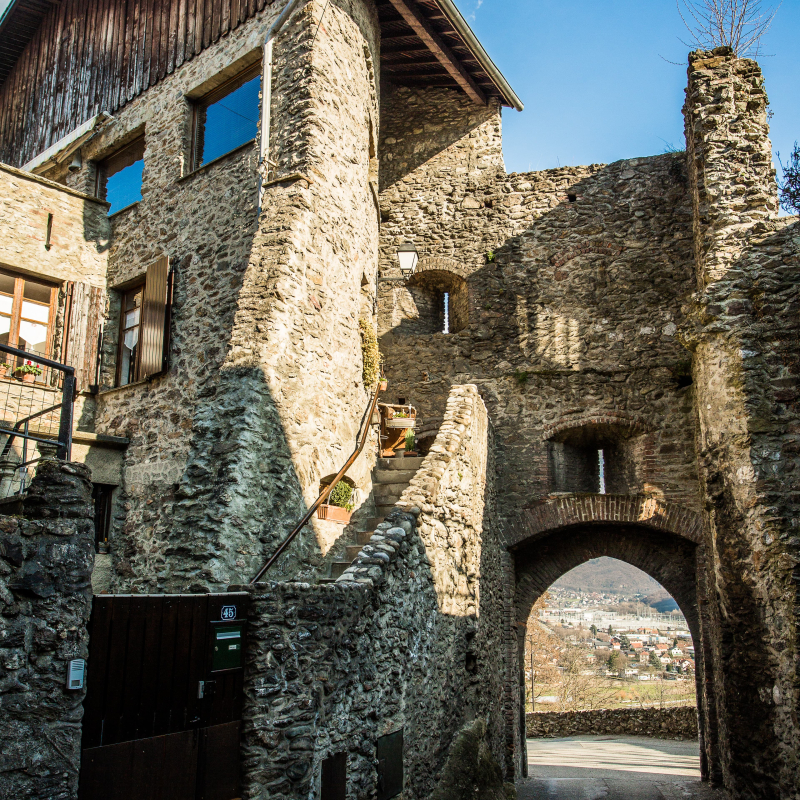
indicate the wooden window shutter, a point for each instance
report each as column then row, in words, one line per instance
column 154, row 333
column 83, row 327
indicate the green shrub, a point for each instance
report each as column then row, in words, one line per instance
column 340, row 496
column 371, row 354
column 411, row 440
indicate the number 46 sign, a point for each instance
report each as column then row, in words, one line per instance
column 228, row 613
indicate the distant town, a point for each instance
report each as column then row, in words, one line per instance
column 591, row 649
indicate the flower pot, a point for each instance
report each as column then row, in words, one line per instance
column 403, row 422
column 3, row 372
column 28, row 377
column 383, row 385
column 334, row 513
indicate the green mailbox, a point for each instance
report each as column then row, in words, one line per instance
column 227, row 647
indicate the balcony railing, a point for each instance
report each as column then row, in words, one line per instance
column 35, row 415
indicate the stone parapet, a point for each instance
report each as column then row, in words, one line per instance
column 45, row 600
column 660, row 723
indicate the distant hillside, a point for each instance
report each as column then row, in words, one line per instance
column 609, row 575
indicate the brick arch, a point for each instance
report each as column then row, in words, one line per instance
column 620, row 419
column 567, row 511
column 442, row 264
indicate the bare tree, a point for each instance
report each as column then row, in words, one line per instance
column 738, row 24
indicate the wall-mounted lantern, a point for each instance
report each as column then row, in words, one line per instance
column 408, row 257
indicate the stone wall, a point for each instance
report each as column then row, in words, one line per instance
column 45, row 601
column 264, row 394
column 575, row 279
column 743, row 327
column 659, row 723
column 403, row 639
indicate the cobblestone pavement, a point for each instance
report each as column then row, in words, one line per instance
column 614, row 768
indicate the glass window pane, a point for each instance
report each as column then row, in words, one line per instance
column 36, row 291
column 5, row 327
column 132, row 318
column 35, row 311
column 125, row 187
column 5, row 304
column 33, row 337
column 6, row 284
column 230, row 121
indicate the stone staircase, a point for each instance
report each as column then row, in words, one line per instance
column 390, row 478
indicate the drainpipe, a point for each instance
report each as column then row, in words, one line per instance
column 264, row 162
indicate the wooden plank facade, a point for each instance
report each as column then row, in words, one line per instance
column 89, row 56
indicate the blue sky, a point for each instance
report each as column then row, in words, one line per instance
column 596, row 82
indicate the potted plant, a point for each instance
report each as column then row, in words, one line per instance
column 4, row 368
column 28, row 372
column 404, row 417
column 384, row 384
column 411, row 443
column 339, row 507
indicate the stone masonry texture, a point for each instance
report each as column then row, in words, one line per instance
column 403, row 640
column 659, row 723
column 45, row 599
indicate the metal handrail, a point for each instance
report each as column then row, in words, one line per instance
column 327, row 490
column 24, row 421
column 68, row 388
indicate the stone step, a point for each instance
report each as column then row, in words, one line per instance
column 383, row 491
column 363, row 537
column 393, row 475
column 385, row 510
column 338, row 567
column 352, row 550
column 401, row 463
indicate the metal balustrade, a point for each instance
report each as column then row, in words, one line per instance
column 35, row 415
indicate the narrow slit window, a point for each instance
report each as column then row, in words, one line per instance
column 446, row 312
column 601, row 463
column 227, row 117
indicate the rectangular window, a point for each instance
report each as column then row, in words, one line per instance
column 390, row 765
column 119, row 177
column 131, row 320
column 27, row 312
column 227, row 117
column 144, row 326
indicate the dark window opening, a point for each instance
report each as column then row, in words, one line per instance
column 390, row 765
column 130, row 329
column 334, row 778
column 401, row 401
column 119, row 177
column 684, row 381
column 572, row 197
column 102, row 494
column 437, row 302
column 596, row 459
column 144, row 325
column 227, row 117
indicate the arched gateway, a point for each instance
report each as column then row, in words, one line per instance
column 660, row 538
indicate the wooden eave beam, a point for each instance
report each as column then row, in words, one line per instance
column 443, row 53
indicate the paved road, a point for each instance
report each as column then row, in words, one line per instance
column 614, row 768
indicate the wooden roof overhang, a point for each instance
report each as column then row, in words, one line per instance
column 424, row 43
column 428, row 43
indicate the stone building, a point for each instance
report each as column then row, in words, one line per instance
column 603, row 361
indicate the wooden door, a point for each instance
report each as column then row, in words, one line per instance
column 164, row 697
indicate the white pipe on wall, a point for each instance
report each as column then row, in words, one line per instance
column 266, row 93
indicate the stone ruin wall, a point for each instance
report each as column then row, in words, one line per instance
column 409, row 637
column 46, row 557
column 574, row 322
column 658, row 723
column 264, row 394
column 743, row 328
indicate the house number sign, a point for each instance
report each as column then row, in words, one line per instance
column 228, row 613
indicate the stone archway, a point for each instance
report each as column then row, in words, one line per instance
column 662, row 539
